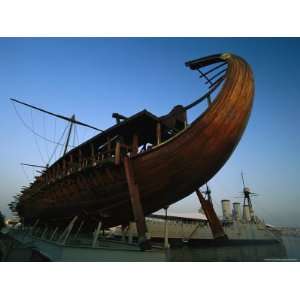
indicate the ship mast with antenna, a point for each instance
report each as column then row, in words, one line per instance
column 247, row 198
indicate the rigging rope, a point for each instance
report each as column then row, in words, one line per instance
column 58, row 144
column 25, row 173
column 77, row 136
column 74, row 134
column 54, row 137
column 35, row 139
column 84, row 134
column 30, row 129
column 45, row 134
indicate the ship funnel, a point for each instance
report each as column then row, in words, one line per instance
column 237, row 211
column 246, row 213
column 226, row 209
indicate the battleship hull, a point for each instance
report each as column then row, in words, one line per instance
column 165, row 174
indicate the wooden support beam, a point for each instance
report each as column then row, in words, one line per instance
column 78, row 230
column 80, row 159
column 93, row 158
column 213, row 220
column 118, row 153
column 166, row 234
column 53, row 234
column 63, row 238
column 108, row 142
column 44, row 232
column 130, row 232
column 158, row 133
column 185, row 119
column 124, row 229
column 69, row 164
column 208, row 100
column 34, row 226
column 96, row 234
column 135, row 144
column 136, row 205
column 64, row 168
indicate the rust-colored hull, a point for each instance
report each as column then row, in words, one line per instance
column 165, row 174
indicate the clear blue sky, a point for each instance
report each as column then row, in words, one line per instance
column 95, row 77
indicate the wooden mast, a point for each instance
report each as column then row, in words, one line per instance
column 69, row 134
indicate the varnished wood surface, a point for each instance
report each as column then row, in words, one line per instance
column 168, row 172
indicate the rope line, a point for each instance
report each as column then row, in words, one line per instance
column 54, row 137
column 45, row 134
column 58, row 144
column 35, row 140
column 25, row 173
column 30, row 129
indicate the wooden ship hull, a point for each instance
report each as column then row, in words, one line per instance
column 104, row 177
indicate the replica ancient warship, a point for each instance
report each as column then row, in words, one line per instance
column 144, row 162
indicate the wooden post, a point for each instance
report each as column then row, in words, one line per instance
column 70, row 169
column 136, row 205
column 208, row 100
column 124, row 229
column 166, row 240
column 59, row 169
column 44, row 232
column 158, row 133
column 185, row 119
column 118, row 153
column 78, row 230
column 135, row 144
column 96, row 234
column 64, row 170
column 63, row 238
column 53, row 234
column 93, row 159
column 130, row 233
column 34, row 226
column 212, row 218
column 109, row 146
column 80, row 159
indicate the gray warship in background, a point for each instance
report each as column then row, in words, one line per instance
column 240, row 224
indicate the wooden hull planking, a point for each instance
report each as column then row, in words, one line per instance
column 165, row 174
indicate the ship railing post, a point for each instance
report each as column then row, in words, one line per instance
column 64, row 236
column 158, row 133
column 96, row 234
column 118, row 153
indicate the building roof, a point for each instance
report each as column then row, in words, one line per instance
column 186, row 216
